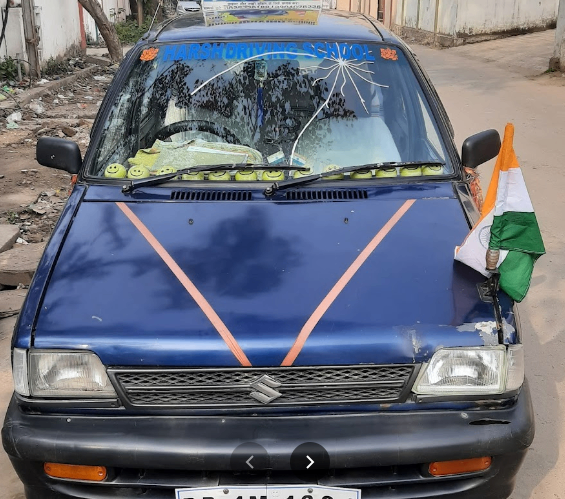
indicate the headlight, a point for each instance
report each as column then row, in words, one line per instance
column 472, row 371
column 62, row 374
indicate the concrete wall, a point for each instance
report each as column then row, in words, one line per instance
column 558, row 61
column 14, row 44
column 59, row 29
column 410, row 14
column 447, row 16
column 427, row 15
column 59, row 25
column 113, row 9
column 463, row 20
column 488, row 16
column 368, row 7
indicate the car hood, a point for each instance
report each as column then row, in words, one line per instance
column 264, row 267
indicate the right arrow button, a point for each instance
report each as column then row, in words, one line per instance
column 310, row 461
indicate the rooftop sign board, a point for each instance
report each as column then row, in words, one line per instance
column 276, row 11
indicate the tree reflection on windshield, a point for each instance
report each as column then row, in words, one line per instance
column 320, row 111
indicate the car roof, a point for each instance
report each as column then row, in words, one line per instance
column 331, row 25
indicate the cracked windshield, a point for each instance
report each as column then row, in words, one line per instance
column 319, row 106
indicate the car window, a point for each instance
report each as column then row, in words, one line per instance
column 317, row 105
column 431, row 130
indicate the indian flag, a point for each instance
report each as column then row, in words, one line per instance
column 507, row 223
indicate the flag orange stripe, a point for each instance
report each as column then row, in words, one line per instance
column 506, row 159
column 509, row 159
column 188, row 285
column 340, row 285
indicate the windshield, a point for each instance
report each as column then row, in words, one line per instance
column 320, row 106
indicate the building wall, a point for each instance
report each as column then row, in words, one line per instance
column 559, row 54
column 410, row 13
column 427, row 15
column 485, row 16
column 368, row 7
column 447, row 16
column 463, row 19
column 115, row 10
column 92, row 34
column 59, row 27
column 14, row 43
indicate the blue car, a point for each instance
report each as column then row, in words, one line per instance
column 252, row 293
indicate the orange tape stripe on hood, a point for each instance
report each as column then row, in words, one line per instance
column 340, row 285
column 188, row 285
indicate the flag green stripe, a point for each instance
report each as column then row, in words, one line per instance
column 517, row 231
column 516, row 274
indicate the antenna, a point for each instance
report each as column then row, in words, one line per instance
column 155, row 15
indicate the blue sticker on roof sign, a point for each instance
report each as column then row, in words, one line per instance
column 267, row 50
column 219, row 12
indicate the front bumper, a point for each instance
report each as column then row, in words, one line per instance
column 384, row 454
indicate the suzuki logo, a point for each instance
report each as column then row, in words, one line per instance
column 265, row 387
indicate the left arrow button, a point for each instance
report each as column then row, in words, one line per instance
column 249, row 457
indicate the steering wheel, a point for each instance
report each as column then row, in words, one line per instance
column 200, row 126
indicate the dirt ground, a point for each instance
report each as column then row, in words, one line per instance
column 32, row 196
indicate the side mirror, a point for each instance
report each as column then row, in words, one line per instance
column 59, row 153
column 480, row 148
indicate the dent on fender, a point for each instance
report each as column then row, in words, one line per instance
column 488, row 332
column 420, row 341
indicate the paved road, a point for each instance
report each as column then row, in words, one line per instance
column 484, row 86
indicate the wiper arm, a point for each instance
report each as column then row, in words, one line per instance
column 161, row 179
column 296, row 182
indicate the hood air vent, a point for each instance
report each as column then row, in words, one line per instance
column 326, row 194
column 209, row 195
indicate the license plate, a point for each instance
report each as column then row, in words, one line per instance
column 269, row 492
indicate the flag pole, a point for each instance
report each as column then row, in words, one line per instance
column 494, row 285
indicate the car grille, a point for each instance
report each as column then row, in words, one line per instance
column 258, row 386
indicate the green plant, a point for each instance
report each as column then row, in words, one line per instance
column 8, row 69
column 13, row 218
column 55, row 67
column 130, row 32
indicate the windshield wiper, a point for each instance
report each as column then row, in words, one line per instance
column 160, row 179
column 296, row 182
